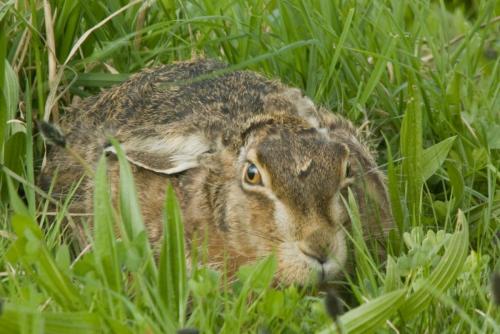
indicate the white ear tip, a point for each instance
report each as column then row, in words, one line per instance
column 179, row 168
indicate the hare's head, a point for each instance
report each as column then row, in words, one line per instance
column 291, row 181
column 288, row 190
column 276, row 184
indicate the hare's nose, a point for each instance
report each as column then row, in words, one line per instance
column 316, row 252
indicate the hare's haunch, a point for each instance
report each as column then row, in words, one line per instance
column 257, row 167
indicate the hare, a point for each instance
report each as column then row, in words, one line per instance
column 256, row 166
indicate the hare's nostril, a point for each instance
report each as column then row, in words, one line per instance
column 321, row 257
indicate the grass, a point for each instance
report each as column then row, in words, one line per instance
column 421, row 76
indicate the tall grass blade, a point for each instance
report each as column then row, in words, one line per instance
column 11, row 91
column 411, row 149
column 393, row 187
column 172, row 268
column 130, row 212
column 104, row 237
column 3, row 96
column 365, row 264
column 434, row 156
column 29, row 155
column 374, row 78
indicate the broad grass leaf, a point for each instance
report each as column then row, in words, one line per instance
column 434, row 156
column 371, row 315
column 411, row 150
column 445, row 273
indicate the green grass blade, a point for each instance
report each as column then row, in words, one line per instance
column 338, row 48
column 15, row 201
column 29, row 163
column 11, row 91
column 14, row 152
column 393, row 187
column 411, row 150
column 104, row 237
column 30, row 250
column 100, row 79
column 172, row 268
column 130, row 211
column 434, row 156
column 366, row 267
column 3, row 97
column 374, row 78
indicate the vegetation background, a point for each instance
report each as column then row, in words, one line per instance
column 421, row 76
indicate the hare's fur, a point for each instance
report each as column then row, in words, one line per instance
column 200, row 126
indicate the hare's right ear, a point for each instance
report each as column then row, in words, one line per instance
column 171, row 154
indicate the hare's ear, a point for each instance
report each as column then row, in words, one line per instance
column 166, row 155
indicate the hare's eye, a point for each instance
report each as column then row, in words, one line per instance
column 252, row 175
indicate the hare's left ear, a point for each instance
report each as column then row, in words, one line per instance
column 374, row 200
column 171, row 154
column 370, row 184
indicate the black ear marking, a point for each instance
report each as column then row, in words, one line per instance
column 51, row 133
column 254, row 126
column 305, row 169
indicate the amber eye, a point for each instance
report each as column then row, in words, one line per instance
column 252, row 175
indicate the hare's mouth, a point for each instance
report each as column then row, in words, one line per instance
column 296, row 267
column 323, row 271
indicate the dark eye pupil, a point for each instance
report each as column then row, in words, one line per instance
column 251, row 172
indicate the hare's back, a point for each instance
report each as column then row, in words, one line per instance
column 195, row 92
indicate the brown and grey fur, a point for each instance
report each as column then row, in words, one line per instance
column 201, row 134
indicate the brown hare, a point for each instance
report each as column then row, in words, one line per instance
column 257, row 168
